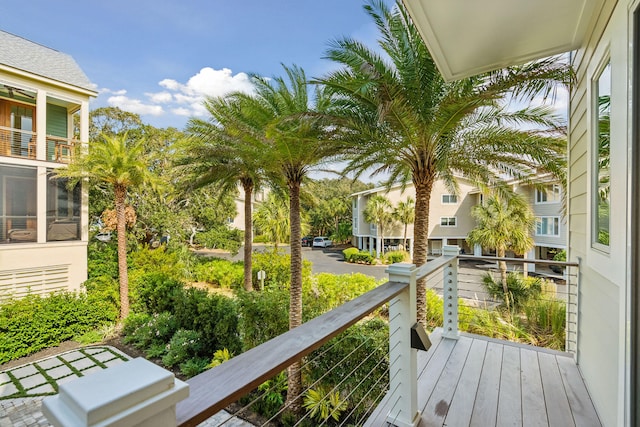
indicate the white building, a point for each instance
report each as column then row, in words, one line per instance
column 44, row 116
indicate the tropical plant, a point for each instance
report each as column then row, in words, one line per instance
column 272, row 219
column 323, row 405
column 409, row 123
column 405, row 213
column 220, row 153
column 119, row 164
column 286, row 122
column 378, row 211
column 503, row 223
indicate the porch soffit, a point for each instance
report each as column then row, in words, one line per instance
column 467, row 37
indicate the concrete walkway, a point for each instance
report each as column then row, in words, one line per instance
column 22, row 388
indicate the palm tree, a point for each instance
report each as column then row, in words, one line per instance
column 409, row 123
column 405, row 213
column 272, row 218
column 112, row 161
column 503, row 223
column 378, row 211
column 217, row 154
column 295, row 135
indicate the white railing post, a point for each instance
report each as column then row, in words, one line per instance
column 450, row 292
column 136, row 393
column 403, row 364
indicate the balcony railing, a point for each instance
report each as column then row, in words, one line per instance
column 17, row 143
column 402, row 401
column 244, row 373
column 22, row 143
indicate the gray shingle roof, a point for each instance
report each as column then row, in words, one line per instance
column 26, row 55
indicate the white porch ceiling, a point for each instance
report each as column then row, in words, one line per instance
column 468, row 37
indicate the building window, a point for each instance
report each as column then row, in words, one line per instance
column 449, row 199
column 548, row 226
column 18, row 204
column 600, row 178
column 63, row 209
column 448, row 221
column 550, row 194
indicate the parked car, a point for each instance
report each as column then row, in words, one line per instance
column 322, row 242
column 307, row 240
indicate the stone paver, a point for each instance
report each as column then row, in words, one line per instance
column 33, row 381
column 8, row 390
column 105, row 356
column 81, row 364
column 50, row 363
column 73, row 355
column 24, row 371
column 4, row 378
column 59, row 372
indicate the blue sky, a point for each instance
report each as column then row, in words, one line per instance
column 159, row 58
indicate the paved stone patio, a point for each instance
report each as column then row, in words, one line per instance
column 23, row 388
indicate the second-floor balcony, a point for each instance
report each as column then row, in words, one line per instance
column 23, row 144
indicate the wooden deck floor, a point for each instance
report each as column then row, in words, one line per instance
column 479, row 381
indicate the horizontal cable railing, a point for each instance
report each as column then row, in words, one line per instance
column 540, row 309
column 218, row 387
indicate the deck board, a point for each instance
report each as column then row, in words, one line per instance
column 437, row 407
column 534, row 412
column 510, row 397
column 462, row 403
column 487, row 382
column 555, row 397
column 486, row 404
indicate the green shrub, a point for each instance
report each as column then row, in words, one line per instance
column 362, row 257
column 34, row 322
column 175, row 264
column 155, row 292
column 356, row 360
column 102, row 259
column 221, row 237
column 261, row 239
column 560, row 256
column 349, row 252
column 144, row 331
column 546, row 318
column 326, row 291
column 521, row 289
column 263, row 316
column 395, row 256
column 194, row 366
column 104, row 288
column 214, row 316
column 277, row 266
column 184, row 345
column 220, row 272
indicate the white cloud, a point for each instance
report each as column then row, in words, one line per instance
column 183, row 99
column 181, row 111
column 211, row 82
column 160, row 97
column 135, row 106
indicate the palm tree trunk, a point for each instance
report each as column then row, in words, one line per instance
column 404, row 238
column 381, row 227
column 295, row 304
column 121, row 228
column 502, row 265
column 421, row 242
column 248, row 234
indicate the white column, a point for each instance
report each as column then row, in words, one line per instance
column 41, row 124
column 136, row 393
column 41, row 203
column 530, row 267
column 450, row 293
column 371, row 246
column 403, row 360
column 84, row 138
column 477, row 250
